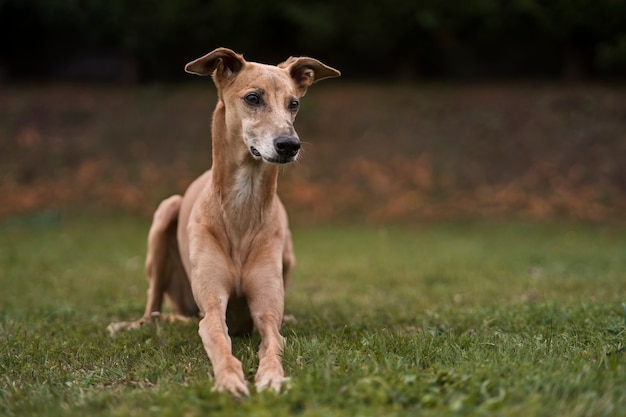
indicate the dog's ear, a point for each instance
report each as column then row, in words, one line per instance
column 306, row 71
column 223, row 61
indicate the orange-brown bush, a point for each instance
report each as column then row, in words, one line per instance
column 373, row 153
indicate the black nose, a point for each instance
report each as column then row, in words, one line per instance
column 287, row 146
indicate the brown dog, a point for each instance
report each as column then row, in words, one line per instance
column 224, row 250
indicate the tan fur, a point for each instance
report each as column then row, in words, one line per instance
column 224, row 251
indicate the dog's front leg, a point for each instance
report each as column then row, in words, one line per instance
column 266, row 298
column 211, row 281
column 227, row 369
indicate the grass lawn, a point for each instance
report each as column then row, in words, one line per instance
column 488, row 318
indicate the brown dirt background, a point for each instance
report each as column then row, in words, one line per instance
column 372, row 153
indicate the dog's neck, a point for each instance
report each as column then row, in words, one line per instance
column 246, row 187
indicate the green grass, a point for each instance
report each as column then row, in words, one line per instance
column 500, row 318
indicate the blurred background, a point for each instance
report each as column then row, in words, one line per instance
column 445, row 109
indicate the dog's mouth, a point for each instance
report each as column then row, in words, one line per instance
column 278, row 159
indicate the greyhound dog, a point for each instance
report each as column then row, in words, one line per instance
column 223, row 251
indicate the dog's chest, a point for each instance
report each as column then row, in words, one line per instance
column 245, row 188
column 243, row 205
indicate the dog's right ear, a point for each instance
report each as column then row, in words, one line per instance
column 224, row 62
column 306, row 71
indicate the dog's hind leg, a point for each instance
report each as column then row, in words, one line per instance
column 164, row 270
column 289, row 259
column 164, row 266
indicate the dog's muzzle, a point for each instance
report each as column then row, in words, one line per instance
column 287, row 147
column 286, row 150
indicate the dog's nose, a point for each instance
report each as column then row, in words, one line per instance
column 287, row 146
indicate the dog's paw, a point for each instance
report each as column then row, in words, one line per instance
column 276, row 384
column 270, row 376
column 289, row 319
column 233, row 384
column 115, row 328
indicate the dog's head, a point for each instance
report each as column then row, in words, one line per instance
column 261, row 101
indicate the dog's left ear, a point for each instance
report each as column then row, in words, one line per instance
column 224, row 61
column 306, row 71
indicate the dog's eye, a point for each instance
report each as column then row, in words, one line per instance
column 294, row 105
column 253, row 99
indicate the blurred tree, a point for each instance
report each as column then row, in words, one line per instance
column 152, row 39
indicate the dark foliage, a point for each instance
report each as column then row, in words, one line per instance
column 152, row 39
